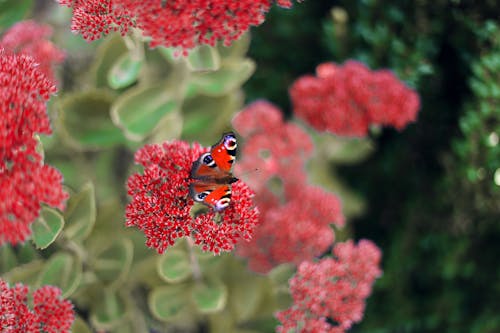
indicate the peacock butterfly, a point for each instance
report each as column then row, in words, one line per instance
column 211, row 174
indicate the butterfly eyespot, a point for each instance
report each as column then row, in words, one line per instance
column 230, row 141
column 208, row 159
column 202, row 195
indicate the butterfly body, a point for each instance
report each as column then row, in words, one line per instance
column 211, row 174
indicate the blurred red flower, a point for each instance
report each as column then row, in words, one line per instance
column 347, row 99
column 329, row 296
column 51, row 313
column 25, row 181
column 295, row 219
column 31, row 38
column 177, row 23
column 277, row 149
column 161, row 205
column 295, row 230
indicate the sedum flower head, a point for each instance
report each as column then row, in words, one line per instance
column 31, row 38
column 347, row 99
column 278, row 149
column 295, row 221
column 329, row 295
column 51, row 313
column 161, row 205
column 174, row 23
column 25, row 181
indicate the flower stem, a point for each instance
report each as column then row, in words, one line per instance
column 194, row 261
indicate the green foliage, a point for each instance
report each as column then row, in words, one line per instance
column 125, row 71
column 174, row 266
column 80, row 213
column 12, row 11
column 384, row 34
column 63, row 270
column 154, row 101
column 476, row 154
column 85, row 122
column 47, row 227
column 209, row 296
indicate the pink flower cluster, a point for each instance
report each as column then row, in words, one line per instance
column 31, row 38
column 329, row 296
column 173, row 23
column 347, row 99
column 294, row 220
column 161, row 205
column 25, row 181
column 51, row 313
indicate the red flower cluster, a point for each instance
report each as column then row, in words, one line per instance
column 31, row 38
column 50, row 314
column 25, row 181
column 175, row 23
column 277, row 148
column 333, row 290
column 161, row 205
column 294, row 224
column 347, row 99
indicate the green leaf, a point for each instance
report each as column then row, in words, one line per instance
column 13, row 11
column 174, row 266
column 168, row 302
column 245, row 295
column 230, row 76
column 80, row 326
column 170, row 54
column 108, row 312
column 27, row 253
column 125, row 71
column 209, row 296
column 8, row 259
column 85, row 122
column 62, row 270
column 238, row 48
column 139, row 110
column 168, row 128
column 280, row 275
column 112, row 264
column 73, row 177
column 202, row 111
column 111, row 49
column 27, row 273
column 203, row 58
column 245, row 290
column 47, row 227
column 80, row 213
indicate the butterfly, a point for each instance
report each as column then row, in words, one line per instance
column 211, row 174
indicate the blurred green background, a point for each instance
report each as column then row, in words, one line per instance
column 432, row 191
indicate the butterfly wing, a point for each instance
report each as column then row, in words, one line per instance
column 212, row 174
column 224, row 152
column 218, row 162
column 217, row 196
